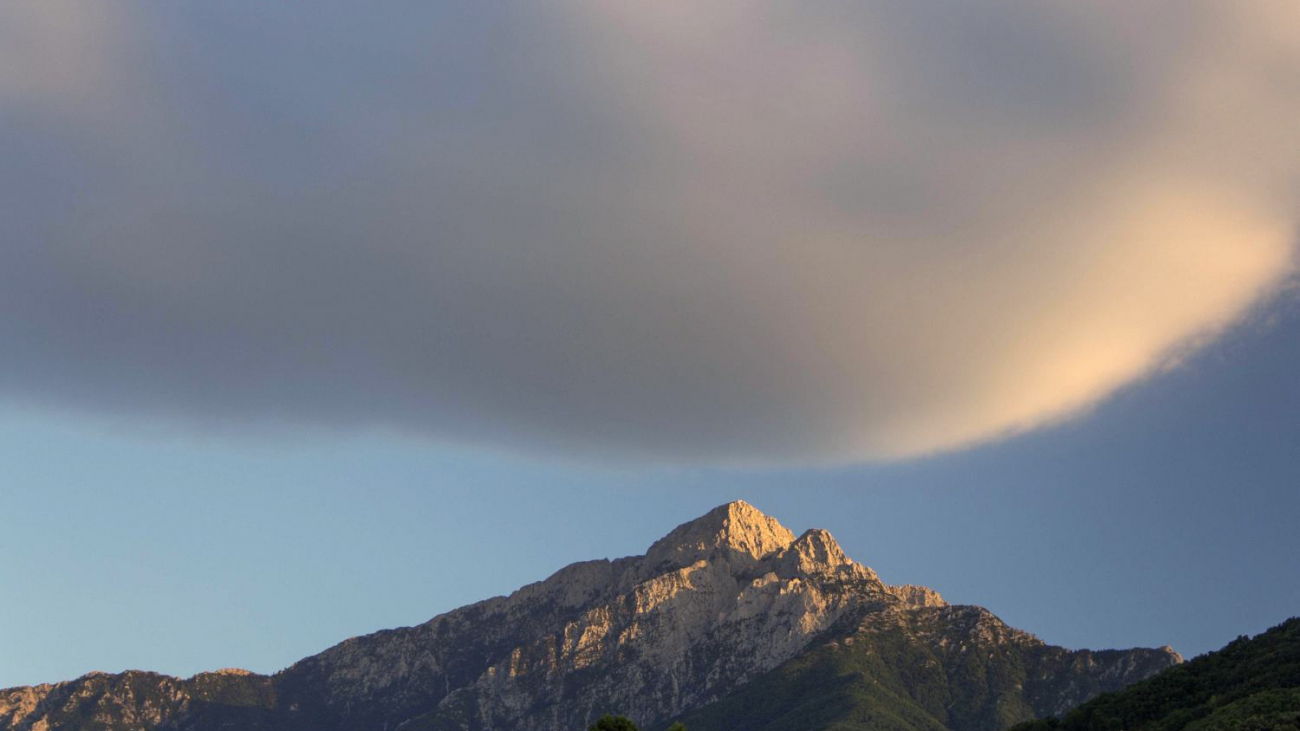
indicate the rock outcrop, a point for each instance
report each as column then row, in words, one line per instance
column 718, row 602
column 917, row 596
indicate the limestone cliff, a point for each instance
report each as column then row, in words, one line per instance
column 720, row 601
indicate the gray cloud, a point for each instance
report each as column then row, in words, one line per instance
column 725, row 231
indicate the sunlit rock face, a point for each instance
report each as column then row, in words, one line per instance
column 717, row 602
column 917, row 596
column 736, row 532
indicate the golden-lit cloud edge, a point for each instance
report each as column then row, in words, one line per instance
column 734, row 232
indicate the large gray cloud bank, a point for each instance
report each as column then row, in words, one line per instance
column 733, row 230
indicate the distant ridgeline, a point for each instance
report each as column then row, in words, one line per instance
column 728, row 623
column 1250, row 685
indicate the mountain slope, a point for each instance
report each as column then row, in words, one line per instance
column 1249, row 684
column 925, row 668
column 719, row 602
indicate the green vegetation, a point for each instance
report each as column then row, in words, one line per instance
column 882, row 681
column 834, row 688
column 1249, row 685
column 613, row 723
column 950, row 668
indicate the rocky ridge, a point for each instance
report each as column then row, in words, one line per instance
column 720, row 601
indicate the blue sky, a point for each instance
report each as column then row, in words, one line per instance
column 1166, row 516
column 319, row 321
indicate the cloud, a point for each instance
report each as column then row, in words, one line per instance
column 723, row 232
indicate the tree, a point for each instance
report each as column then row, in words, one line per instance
column 613, row 723
column 677, row 726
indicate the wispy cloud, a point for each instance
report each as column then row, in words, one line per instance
column 725, row 231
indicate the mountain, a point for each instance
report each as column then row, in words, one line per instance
column 729, row 621
column 925, row 669
column 1253, row 684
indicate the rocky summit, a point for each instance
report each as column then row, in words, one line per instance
column 729, row 622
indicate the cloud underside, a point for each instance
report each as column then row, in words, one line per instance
column 721, row 232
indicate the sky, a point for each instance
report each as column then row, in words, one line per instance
column 319, row 321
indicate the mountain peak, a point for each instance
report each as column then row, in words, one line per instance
column 717, row 609
column 817, row 552
column 736, row 530
column 817, row 547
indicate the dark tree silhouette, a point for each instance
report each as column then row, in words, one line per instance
column 613, row 723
